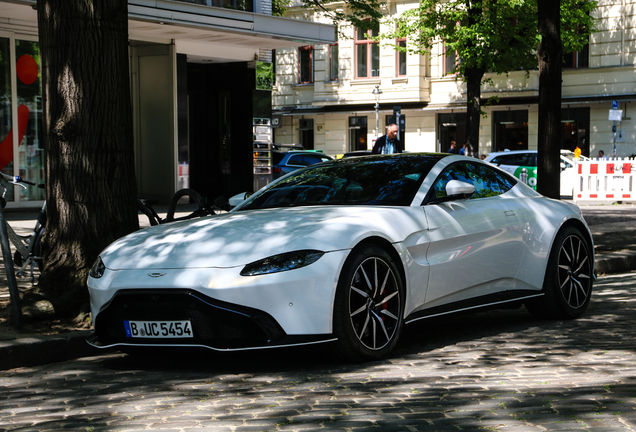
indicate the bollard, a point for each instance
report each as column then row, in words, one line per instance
column 524, row 176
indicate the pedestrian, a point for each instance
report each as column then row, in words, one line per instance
column 466, row 150
column 453, row 148
column 389, row 143
column 483, row 157
column 601, row 155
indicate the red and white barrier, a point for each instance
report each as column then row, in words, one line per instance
column 608, row 180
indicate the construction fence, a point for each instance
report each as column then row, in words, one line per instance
column 605, row 180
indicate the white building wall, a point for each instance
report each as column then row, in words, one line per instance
column 611, row 74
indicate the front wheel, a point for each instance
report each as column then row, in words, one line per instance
column 568, row 280
column 369, row 307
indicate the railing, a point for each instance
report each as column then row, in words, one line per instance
column 243, row 5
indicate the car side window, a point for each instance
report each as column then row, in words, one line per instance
column 312, row 159
column 517, row 159
column 488, row 182
column 297, row 160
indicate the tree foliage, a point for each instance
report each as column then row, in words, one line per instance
column 279, row 7
column 496, row 36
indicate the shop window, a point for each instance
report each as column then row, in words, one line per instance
column 367, row 52
column 24, row 156
column 576, row 129
column 306, row 65
column 333, row 62
column 511, row 130
column 452, row 127
column 358, row 133
column 400, row 57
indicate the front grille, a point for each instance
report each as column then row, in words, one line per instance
column 214, row 323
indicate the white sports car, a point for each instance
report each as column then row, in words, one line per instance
column 345, row 252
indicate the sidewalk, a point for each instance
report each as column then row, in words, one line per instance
column 613, row 228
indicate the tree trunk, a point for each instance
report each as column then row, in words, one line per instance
column 473, row 86
column 90, row 181
column 550, row 53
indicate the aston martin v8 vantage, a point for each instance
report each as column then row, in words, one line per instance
column 345, row 252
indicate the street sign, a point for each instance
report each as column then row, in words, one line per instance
column 614, row 104
column 615, row 115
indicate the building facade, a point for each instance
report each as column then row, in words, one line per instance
column 324, row 93
column 194, row 95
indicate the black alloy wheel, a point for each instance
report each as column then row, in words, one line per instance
column 574, row 272
column 569, row 278
column 369, row 305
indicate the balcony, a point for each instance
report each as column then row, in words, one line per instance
column 242, row 5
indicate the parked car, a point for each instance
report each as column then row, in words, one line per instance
column 345, row 253
column 357, row 153
column 286, row 162
column 514, row 161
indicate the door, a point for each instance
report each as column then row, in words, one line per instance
column 476, row 244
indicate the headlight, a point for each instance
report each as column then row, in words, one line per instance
column 98, row 269
column 282, row 262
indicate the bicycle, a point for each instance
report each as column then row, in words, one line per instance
column 204, row 208
column 28, row 251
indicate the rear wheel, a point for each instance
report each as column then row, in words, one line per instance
column 368, row 313
column 568, row 280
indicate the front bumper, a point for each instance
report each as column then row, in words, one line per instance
column 216, row 325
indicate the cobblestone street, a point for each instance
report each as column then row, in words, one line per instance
column 497, row 370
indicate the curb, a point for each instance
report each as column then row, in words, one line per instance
column 40, row 350
column 615, row 262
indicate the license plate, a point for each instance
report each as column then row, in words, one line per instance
column 158, row 329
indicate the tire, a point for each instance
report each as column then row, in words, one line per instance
column 369, row 305
column 568, row 281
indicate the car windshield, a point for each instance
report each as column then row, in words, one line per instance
column 380, row 180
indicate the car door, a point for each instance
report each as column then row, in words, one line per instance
column 476, row 244
column 568, row 177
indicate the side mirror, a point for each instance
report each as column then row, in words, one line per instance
column 239, row 198
column 459, row 189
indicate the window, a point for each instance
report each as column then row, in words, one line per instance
column 450, row 60
column 306, row 65
column 358, row 133
column 516, row 159
column 577, row 59
column 380, row 182
column 400, row 67
column 333, row 62
column 487, row 181
column 367, row 53
column 510, row 130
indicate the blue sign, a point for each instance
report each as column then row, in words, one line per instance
column 614, row 104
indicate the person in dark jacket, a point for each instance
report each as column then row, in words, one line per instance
column 453, row 148
column 388, row 143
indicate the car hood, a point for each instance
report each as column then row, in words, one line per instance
column 238, row 238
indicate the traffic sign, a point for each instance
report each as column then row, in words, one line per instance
column 615, row 115
column 614, row 104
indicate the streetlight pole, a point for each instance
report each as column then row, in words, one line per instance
column 376, row 93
